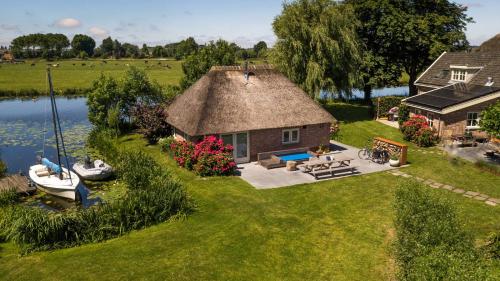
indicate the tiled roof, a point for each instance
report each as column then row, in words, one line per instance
column 439, row 73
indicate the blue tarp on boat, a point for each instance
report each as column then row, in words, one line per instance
column 52, row 166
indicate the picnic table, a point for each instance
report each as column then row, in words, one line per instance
column 318, row 166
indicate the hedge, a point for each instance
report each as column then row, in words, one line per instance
column 386, row 103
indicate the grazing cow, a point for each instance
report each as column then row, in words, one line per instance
column 33, row 64
column 145, row 61
column 74, row 63
column 168, row 66
column 84, row 64
column 103, row 61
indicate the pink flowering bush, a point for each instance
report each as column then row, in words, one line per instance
column 210, row 157
column 183, row 153
column 418, row 131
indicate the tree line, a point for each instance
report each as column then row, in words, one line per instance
column 55, row 46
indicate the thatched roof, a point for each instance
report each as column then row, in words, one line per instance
column 223, row 101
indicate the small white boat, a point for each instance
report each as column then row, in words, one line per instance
column 94, row 171
column 50, row 182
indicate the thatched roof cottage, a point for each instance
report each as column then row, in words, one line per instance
column 256, row 109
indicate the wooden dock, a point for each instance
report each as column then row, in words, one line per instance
column 18, row 182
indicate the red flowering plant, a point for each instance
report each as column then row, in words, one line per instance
column 210, row 157
column 213, row 158
column 183, row 152
column 418, row 131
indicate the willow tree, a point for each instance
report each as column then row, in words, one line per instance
column 317, row 46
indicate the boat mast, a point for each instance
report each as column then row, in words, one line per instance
column 52, row 103
column 62, row 140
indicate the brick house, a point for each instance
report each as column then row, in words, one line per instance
column 454, row 90
column 256, row 109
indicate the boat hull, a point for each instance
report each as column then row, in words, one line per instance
column 93, row 174
column 66, row 188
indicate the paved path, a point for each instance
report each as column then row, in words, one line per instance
column 488, row 200
column 393, row 124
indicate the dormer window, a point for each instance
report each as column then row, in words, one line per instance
column 458, row 75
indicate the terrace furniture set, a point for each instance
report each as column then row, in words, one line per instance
column 327, row 165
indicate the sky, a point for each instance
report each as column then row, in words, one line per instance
column 157, row 22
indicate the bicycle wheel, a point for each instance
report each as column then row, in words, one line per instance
column 364, row 154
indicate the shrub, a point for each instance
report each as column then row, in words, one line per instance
column 152, row 121
column 404, row 114
column 492, row 247
column 213, row 158
column 137, row 169
column 103, row 141
column 8, row 197
column 183, row 152
column 490, row 120
column 431, row 243
column 166, row 143
column 384, row 104
column 418, row 131
column 210, row 157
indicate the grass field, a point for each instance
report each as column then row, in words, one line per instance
column 330, row 230
column 73, row 74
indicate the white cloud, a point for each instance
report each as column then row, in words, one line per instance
column 98, row 32
column 68, row 23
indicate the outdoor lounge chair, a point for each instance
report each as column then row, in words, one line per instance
column 273, row 162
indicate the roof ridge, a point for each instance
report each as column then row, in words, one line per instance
column 241, row 67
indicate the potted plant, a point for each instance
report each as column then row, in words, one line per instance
column 394, row 160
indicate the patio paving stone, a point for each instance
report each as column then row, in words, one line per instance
column 491, row 203
column 481, row 198
column 448, row 187
column 472, row 193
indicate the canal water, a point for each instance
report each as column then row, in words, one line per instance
column 26, row 125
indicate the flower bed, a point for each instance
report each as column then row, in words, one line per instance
column 418, row 131
column 210, row 157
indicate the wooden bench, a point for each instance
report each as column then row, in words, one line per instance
column 332, row 171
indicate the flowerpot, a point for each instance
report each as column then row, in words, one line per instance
column 394, row 163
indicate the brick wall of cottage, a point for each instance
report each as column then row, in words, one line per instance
column 271, row 139
column 454, row 123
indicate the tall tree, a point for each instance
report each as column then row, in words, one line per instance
column 260, row 48
column 145, row 51
column 196, row 65
column 130, row 50
column 118, row 50
column 417, row 32
column 317, row 46
column 107, row 47
column 82, row 42
column 379, row 67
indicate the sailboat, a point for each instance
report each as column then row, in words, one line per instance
column 51, row 177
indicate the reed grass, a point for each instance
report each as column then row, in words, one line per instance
column 153, row 197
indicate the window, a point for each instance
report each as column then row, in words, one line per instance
column 290, row 136
column 430, row 119
column 458, row 75
column 472, row 120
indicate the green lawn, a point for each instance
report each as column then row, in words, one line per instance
column 72, row 74
column 330, row 230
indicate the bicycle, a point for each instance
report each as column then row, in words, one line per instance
column 378, row 155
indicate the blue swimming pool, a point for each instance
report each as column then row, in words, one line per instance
column 295, row 156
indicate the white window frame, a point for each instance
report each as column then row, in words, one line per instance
column 290, row 134
column 430, row 119
column 472, row 119
column 459, row 75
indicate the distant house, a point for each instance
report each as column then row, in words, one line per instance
column 454, row 90
column 6, row 56
column 255, row 109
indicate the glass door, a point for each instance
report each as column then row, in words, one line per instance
column 239, row 141
column 241, row 149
